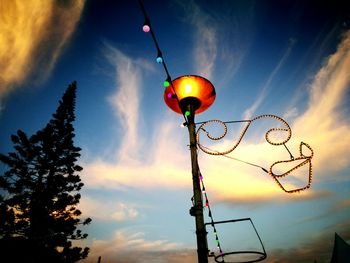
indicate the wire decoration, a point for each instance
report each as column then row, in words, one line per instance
column 259, row 255
column 220, row 256
column 305, row 158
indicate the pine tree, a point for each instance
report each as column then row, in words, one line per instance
column 39, row 191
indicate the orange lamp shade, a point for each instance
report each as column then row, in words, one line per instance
column 190, row 90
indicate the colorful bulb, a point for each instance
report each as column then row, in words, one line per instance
column 159, row 60
column 146, row 28
column 166, row 84
column 170, row 95
column 187, row 113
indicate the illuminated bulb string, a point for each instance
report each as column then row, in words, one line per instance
column 147, row 28
column 306, row 159
column 212, row 223
column 220, row 257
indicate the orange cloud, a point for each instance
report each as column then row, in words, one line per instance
column 32, row 35
column 127, row 246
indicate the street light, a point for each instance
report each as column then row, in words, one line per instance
column 190, row 95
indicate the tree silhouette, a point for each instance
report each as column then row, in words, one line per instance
column 39, row 192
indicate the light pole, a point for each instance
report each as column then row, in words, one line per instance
column 189, row 95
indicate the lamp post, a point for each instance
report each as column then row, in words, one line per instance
column 190, row 95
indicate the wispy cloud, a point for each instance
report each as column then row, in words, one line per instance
column 155, row 172
column 129, row 246
column 108, row 209
column 126, row 99
column 315, row 248
column 218, row 40
column 248, row 113
column 324, row 122
column 205, row 38
column 320, row 126
column 32, row 36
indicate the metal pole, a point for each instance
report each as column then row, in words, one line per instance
column 197, row 209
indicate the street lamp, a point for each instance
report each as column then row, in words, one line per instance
column 190, row 95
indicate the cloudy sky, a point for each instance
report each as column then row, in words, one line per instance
column 287, row 58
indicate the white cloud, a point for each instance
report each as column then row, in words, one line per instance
column 108, row 209
column 205, row 39
column 126, row 100
column 324, row 124
column 321, row 126
column 166, row 160
column 124, row 213
column 249, row 112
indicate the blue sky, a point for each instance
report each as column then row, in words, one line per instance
column 287, row 58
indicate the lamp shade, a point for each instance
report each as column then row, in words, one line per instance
column 190, row 90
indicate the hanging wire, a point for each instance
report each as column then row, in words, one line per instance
column 306, row 159
column 160, row 55
column 261, row 255
column 275, row 177
column 210, row 214
column 220, row 258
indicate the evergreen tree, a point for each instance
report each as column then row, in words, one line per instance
column 39, row 191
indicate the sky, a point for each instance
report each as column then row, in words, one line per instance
column 286, row 58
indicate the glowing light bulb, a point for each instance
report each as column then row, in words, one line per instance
column 166, row 84
column 159, row 60
column 170, row 95
column 188, row 88
column 146, row 28
column 187, row 113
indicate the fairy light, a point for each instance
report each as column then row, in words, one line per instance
column 243, row 132
column 146, row 28
column 306, row 158
column 159, row 60
column 207, row 204
column 166, row 84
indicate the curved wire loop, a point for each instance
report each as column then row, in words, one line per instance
column 305, row 158
column 260, row 255
column 243, row 132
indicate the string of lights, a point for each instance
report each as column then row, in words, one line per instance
column 306, row 159
column 259, row 255
column 243, row 132
column 160, row 59
column 220, row 256
column 210, row 215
